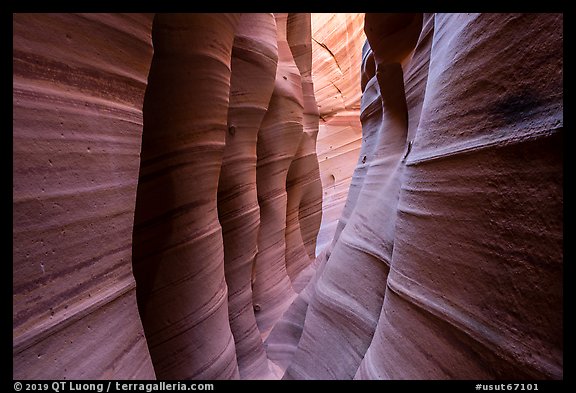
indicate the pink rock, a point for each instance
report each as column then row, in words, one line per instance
column 350, row 289
column 278, row 142
column 178, row 246
column 475, row 286
column 304, row 191
column 336, row 53
column 254, row 63
column 303, row 185
column 442, row 261
column 78, row 87
column 371, row 119
column 337, row 58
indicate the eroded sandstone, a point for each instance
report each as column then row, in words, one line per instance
column 175, row 176
column 78, row 88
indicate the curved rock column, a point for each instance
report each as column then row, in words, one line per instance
column 415, row 78
column 254, row 63
column 475, row 289
column 371, row 119
column 278, row 142
column 284, row 339
column 286, row 335
column 178, row 246
column 304, row 191
column 304, row 187
column 350, row 291
column 78, row 88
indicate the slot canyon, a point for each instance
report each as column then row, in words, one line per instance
column 287, row 196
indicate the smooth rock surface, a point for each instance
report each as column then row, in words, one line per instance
column 217, row 167
column 178, row 246
column 337, row 41
column 457, row 199
column 78, row 88
column 278, row 141
column 344, row 295
column 303, row 184
column 201, row 130
column 482, row 297
column 254, row 63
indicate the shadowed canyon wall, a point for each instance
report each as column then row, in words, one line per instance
column 254, row 64
column 178, row 246
column 174, row 176
column 179, row 146
column 454, row 221
column 78, row 88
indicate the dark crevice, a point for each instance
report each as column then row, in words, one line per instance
column 329, row 51
column 339, row 91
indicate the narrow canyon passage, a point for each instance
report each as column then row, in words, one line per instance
column 288, row 196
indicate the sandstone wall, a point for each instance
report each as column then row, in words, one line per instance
column 179, row 146
column 453, row 225
column 337, row 41
column 254, row 64
column 477, row 263
column 78, row 88
column 178, row 244
column 167, row 198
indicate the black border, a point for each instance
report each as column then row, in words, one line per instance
column 319, row 6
